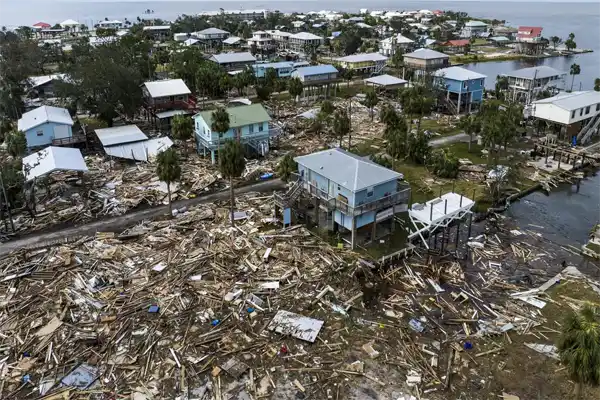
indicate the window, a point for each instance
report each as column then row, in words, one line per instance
column 587, row 110
column 370, row 191
column 598, row 107
column 581, row 112
column 40, row 133
column 251, row 128
column 261, row 127
column 573, row 114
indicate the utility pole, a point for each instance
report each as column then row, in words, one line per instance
column 12, row 225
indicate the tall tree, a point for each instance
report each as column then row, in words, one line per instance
column 348, row 75
column 231, row 165
column 168, row 169
column 470, row 124
column 16, row 144
column 341, row 125
column 398, row 60
column 295, row 88
column 579, row 347
column 286, row 167
column 396, row 139
column 597, row 84
column 570, row 43
column 371, row 101
column 555, row 40
column 220, row 123
column 182, row 127
column 263, row 92
column 327, row 107
column 270, row 77
column 574, row 70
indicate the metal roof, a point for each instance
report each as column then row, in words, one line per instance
column 239, row 115
column 157, row 28
column 386, row 80
column 346, row 169
column 140, row 151
column 69, row 22
column 44, row 114
column 191, row 42
column 275, row 65
column 363, row 57
column 120, row 135
column 459, row 74
column 42, row 80
column 168, row 87
column 475, row 23
column 232, row 40
column 225, row 58
column 499, row 39
column 315, row 70
column 52, row 159
column 171, row 113
column 211, row 31
column 305, row 36
column 540, row 72
column 426, row 54
column 572, row 101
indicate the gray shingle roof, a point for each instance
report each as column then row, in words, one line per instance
column 225, row 58
column 346, row 169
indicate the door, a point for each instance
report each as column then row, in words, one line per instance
column 61, row 131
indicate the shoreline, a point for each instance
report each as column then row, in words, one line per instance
column 475, row 59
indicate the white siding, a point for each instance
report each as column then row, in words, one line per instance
column 550, row 112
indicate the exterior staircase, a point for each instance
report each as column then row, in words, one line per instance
column 287, row 199
column 453, row 108
column 589, row 129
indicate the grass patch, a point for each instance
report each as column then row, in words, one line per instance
column 479, row 42
column 444, row 128
column 345, row 91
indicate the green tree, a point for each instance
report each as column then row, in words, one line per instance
column 574, row 70
column 16, row 144
column 182, row 127
column 501, row 87
column 263, row 92
column 168, row 169
column 220, row 123
column 396, row 139
column 443, row 163
column 388, row 115
column 555, row 40
column 371, row 101
column 570, row 43
column 295, row 88
column 398, row 60
column 270, row 77
column 579, row 347
column 470, row 124
column 341, row 125
column 327, row 107
column 231, row 165
column 597, row 84
column 286, row 167
column 418, row 147
column 348, row 75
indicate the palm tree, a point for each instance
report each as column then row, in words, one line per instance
column 286, row 167
column 371, row 101
column 470, row 124
column 182, row 127
column 348, row 75
column 295, row 88
column 575, row 70
column 220, row 123
column 327, row 108
column 231, row 165
column 168, row 170
column 555, row 41
column 579, row 347
column 341, row 125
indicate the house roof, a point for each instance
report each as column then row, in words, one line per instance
column 190, row 41
column 42, row 80
column 540, row 72
column 224, row 58
column 305, row 36
column 44, row 114
column 114, row 21
column 403, row 39
column 157, row 28
column 362, row 57
column 69, row 22
column 232, row 40
column 529, row 31
column 275, row 65
column 168, row 87
column 459, row 74
column 140, row 151
column 240, row 115
column 473, row 23
column 315, row 70
column 52, row 159
column 346, row 169
column 499, row 39
column 572, row 101
column 211, row 31
column 386, row 80
column 426, row 54
column 457, row 43
column 42, row 25
column 120, row 134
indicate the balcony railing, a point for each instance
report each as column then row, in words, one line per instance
column 68, row 140
column 332, row 203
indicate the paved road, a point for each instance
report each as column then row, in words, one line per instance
column 119, row 223
column 459, row 137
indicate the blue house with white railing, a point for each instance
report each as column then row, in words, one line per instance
column 464, row 88
column 283, row 69
column 247, row 124
column 356, row 193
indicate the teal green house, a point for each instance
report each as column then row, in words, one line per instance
column 247, row 124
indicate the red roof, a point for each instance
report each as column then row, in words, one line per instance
column 438, row 12
column 42, row 25
column 456, row 43
column 529, row 31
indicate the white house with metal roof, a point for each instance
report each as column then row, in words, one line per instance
column 363, row 62
column 129, row 142
column 111, row 24
column 578, row 113
column 158, row 32
column 301, row 41
column 386, row 82
column 234, row 61
column 524, row 84
column 474, row 29
column 45, row 124
column 426, row 60
column 354, row 191
column 389, row 46
column 211, row 34
column 52, row 159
